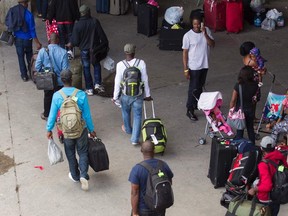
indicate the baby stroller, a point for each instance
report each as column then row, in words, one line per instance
column 210, row 103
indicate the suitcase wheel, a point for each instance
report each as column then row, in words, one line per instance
column 202, row 141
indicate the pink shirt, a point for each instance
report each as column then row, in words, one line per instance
column 285, row 103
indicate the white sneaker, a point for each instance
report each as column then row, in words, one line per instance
column 89, row 92
column 70, row 176
column 84, row 184
column 99, row 88
column 70, row 54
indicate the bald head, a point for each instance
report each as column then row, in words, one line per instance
column 54, row 38
column 147, row 148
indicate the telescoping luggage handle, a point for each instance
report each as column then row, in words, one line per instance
column 145, row 112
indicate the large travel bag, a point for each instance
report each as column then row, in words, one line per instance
column 154, row 130
column 171, row 39
column 147, row 20
column 118, row 7
column 77, row 71
column 215, row 14
column 32, row 70
column 98, row 156
column 234, row 16
column 221, row 157
column 102, row 6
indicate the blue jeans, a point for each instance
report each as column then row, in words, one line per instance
column 42, row 6
column 85, row 58
column 24, row 47
column 65, row 33
column 249, row 119
column 81, row 144
column 196, row 84
column 135, row 104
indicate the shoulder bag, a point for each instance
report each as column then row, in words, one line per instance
column 236, row 119
column 46, row 80
column 7, row 37
column 99, row 52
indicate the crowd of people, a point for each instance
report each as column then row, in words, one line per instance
column 75, row 27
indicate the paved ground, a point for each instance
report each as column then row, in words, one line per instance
column 29, row 191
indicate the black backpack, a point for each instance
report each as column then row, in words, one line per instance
column 279, row 192
column 131, row 84
column 159, row 193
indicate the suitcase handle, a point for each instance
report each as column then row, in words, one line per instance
column 144, row 108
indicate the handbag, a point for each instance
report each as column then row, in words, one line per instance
column 240, row 206
column 236, row 119
column 7, row 37
column 46, row 80
column 98, row 53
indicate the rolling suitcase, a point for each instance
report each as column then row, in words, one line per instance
column 215, row 14
column 234, row 16
column 118, row 7
column 102, row 6
column 32, row 70
column 154, row 130
column 98, row 156
column 221, row 158
column 171, row 39
column 147, row 20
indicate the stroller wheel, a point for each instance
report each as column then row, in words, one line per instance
column 202, row 141
column 211, row 135
column 257, row 136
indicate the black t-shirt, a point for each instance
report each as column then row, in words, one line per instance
column 249, row 90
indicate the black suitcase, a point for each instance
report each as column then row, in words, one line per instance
column 221, row 158
column 147, row 20
column 135, row 4
column 98, row 156
column 171, row 39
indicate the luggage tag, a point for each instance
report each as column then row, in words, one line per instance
column 155, row 141
column 281, row 168
column 75, row 98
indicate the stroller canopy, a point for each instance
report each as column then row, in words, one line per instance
column 208, row 100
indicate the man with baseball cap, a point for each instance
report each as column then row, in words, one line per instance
column 131, row 98
column 266, row 173
column 78, row 171
column 20, row 21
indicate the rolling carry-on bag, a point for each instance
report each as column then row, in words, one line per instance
column 234, row 16
column 154, row 130
column 77, row 71
column 102, row 6
column 221, row 158
column 118, row 7
column 98, row 156
column 147, row 20
column 215, row 14
column 171, row 39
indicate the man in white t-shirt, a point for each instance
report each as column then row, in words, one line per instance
column 196, row 47
column 131, row 98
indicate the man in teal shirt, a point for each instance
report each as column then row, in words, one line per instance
column 78, row 171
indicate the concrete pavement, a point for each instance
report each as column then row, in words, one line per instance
column 29, row 191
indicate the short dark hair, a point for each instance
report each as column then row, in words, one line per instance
column 246, row 47
column 269, row 148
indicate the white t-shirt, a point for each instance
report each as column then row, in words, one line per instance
column 198, row 49
column 120, row 68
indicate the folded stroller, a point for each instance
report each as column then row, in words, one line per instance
column 210, row 103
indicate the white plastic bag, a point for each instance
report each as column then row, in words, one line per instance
column 109, row 64
column 54, row 152
column 268, row 24
column 174, row 15
column 273, row 14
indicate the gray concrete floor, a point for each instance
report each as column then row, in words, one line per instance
column 28, row 191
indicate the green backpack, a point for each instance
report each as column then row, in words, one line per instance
column 71, row 122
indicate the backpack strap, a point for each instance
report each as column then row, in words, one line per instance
column 126, row 63
column 63, row 94
column 149, row 168
column 74, row 93
column 136, row 63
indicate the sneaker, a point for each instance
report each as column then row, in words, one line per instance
column 135, row 143
column 70, row 54
column 84, row 184
column 43, row 117
column 70, row 176
column 99, row 88
column 89, row 92
column 191, row 116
